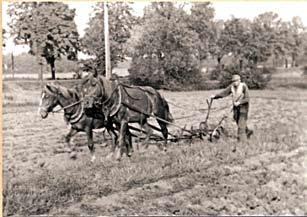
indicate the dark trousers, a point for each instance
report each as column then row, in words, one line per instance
column 241, row 119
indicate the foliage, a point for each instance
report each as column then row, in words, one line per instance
column 234, row 37
column 254, row 42
column 201, row 21
column 249, row 42
column 48, row 28
column 136, row 34
column 167, row 52
column 121, row 22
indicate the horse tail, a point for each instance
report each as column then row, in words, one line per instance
column 165, row 114
column 159, row 105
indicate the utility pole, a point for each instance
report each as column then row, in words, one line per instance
column 106, row 41
column 13, row 65
column 38, row 49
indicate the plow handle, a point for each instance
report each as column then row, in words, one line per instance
column 209, row 107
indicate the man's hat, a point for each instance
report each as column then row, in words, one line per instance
column 235, row 78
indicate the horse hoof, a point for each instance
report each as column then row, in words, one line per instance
column 118, row 155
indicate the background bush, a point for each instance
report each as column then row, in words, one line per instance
column 255, row 78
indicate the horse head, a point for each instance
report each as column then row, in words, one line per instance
column 49, row 99
column 92, row 92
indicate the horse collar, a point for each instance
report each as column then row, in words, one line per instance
column 74, row 118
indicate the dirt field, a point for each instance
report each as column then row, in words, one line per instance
column 267, row 176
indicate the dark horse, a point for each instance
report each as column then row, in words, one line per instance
column 69, row 99
column 126, row 104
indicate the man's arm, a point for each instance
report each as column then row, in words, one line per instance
column 224, row 93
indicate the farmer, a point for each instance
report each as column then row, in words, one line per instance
column 240, row 99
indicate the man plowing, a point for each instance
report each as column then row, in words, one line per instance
column 240, row 99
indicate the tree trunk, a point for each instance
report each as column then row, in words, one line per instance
column 293, row 63
column 256, row 61
column 286, row 63
column 52, row 67
column 241, row 64
column 219, row 59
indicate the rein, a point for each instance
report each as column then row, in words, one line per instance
column 68, row 106
column 201, row 110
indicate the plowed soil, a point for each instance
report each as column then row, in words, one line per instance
column 265, row 176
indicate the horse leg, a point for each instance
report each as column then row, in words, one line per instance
column 164, row 131
column 104, row 137
column 68, row 137
column 90, row 143
column 121, row 140
column 128, row 141
column 114, row 136
column 149, row 131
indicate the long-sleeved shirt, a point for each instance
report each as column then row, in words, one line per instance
column 239, row 94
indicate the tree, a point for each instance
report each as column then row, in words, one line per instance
column 121, row 21
column 249, row 43
column 201, row 21
column 48, row 28
column 136, row 34
column 263, row 34
column 296, row 29
column 304, row 45
column 235, row 37
column 167, row 52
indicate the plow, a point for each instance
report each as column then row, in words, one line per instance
column 203, row 131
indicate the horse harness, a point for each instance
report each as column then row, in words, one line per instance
column 69, row 117
column 113, row 109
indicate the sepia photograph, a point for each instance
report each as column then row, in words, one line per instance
column 147, row 108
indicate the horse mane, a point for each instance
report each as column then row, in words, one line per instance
column 64, row 91
column 74, row 91
column 107, row 85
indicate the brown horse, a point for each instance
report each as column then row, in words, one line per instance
column 114, row 100
column 69, row 99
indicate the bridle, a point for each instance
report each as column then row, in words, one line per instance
column 62, row 107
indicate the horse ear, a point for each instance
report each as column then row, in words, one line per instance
column 51, row 88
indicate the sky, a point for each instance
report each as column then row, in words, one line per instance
column 223, row 10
